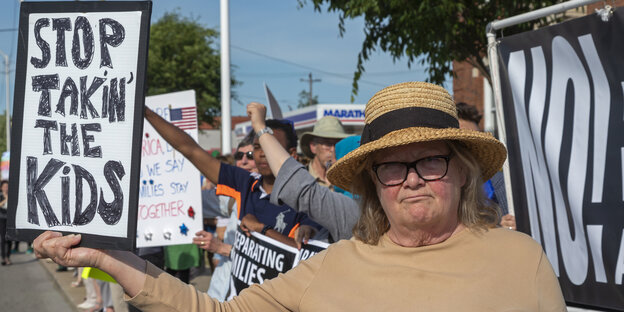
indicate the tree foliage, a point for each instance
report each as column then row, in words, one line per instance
column 304, row 99
column 3, row 141
column 182, row 57
column 432, row 32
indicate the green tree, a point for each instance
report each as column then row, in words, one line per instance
column 433, row 32
column 3, row 141
column 304, row 99
column 182, row 57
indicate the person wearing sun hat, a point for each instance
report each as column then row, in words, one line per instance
column 426, row 239
column 319, row 146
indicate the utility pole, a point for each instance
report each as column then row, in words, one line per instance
column 226, row 113
column 311, row 81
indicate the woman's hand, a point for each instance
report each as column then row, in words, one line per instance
column 59, row 248
column 257, row 114
column 508, row 221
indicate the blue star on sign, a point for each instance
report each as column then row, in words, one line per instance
column 183, row 229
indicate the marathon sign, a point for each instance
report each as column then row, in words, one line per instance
column 257, row 258
column 357, row 114
column 563, row 90
column 78, row 116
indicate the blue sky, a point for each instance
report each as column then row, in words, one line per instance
column 272, row 41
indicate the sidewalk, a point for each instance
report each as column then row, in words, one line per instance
column 76, row 295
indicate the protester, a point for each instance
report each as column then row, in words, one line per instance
column 426, row 237
column 179, row 259
column 254, row 209
column 318, row 145
column 469, row 118
column 221, row 245
column 5, row 245
column 343, row 147
column 298, row 188
column 93, row 298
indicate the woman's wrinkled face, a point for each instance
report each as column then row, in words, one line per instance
column 417, row 204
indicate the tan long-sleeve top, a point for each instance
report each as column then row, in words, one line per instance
column 495, row 270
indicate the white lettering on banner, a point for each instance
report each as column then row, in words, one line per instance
column 533, row 162
column 602, row 106
column 622, row 158
column 537, row 158
column 567, row 67
column 619, row 269
column 594, row 235
column 258, row 253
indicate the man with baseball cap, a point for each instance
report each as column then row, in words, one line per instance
column 319, row 145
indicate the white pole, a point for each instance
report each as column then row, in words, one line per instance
column 488, row 109
column 226, row 114
column 500, row 121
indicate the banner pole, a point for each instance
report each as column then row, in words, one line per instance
column 529, row 16
column 500, row 119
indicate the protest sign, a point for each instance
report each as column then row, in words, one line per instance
column 257, row 258
column 563, row 89
column 170, row 206
column 78, row 120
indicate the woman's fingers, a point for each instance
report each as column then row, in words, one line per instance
column 40, row 252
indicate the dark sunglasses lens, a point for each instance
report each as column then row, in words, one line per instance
column 239, row 155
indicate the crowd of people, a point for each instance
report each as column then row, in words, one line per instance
column 410, row 208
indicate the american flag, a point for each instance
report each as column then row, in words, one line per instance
column 184, row 118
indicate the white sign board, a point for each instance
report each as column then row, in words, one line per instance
column 77, row 120
column 170, row 206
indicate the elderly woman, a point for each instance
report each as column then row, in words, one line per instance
column 426, row 239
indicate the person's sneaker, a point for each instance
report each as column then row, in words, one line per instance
column 61, row 268
column 88, row 305
column 29, row 250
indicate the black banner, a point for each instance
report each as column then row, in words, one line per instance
column 563, row 105
column 257, row 258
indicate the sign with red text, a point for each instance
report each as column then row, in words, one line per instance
column 170, row 206
column 77, row 122
column 563, row 89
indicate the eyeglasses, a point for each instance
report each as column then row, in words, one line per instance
column 239, row 155
column 429, row 169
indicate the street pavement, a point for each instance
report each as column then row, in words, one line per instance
column 35, row 285
column 26, row 286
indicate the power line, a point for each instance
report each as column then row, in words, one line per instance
column 7, row 29
column 305, row 66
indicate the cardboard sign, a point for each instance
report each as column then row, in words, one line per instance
column 78, row 117
column 170, row 206
column 257, row 258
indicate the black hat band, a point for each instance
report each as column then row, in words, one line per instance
column 407, row 117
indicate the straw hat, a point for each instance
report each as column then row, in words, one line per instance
column 328, row 127
column 412, row 112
